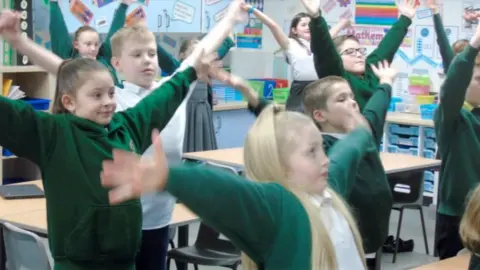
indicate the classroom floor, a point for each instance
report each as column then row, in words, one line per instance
column 411, row 229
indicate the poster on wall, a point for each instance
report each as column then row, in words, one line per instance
column 425, row 40
column 250, row 35
column 469, row 25
column 376, row 12
column 373, row 35
column 340, row 9
column 452, row 35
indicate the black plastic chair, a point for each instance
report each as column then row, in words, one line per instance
column 208, row 249
column 412, row 200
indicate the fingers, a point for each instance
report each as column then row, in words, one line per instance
column 122, row 193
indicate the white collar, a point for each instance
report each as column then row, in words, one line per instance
column 135, row 89
column 336, row 135
column 321, row 199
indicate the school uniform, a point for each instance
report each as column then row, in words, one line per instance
column 265, row 220
column 61, row 41
column 157, row 208
column 300, row 58
column 474, row 262
column 457, row 126
column 328, row 61
column 370, row 196
column 84, row 230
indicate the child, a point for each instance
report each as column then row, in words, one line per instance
column 329, row 102
column 134, row 57
column 86, row 41
column 456, row 127
column 470, row 228
column 344, row 55
column 296, row 47
column 68, row 146
column 292, row 219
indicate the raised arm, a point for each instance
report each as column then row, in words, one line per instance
column 59, row 36
column 26, row 132
column 375, row 111
column 446, row 50
column 393, row 39
column 454, row 88
column 342, row 24
column 325, row 56
column 277, row 31
column 118, row 22
column 345, row 157
column 10, row 31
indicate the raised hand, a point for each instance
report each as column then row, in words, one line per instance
column 10, row 25
column 356, row 120
column 407, row 8
column 312, row 7
column 432, row 4
column 236, row 11
column 203, row 63
column 130, row 175
column 384, row 71
column 228, row 78
column 475, row 40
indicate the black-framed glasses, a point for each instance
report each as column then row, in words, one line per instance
column 353, row 51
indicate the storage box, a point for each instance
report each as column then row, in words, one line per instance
column 280, row 95
column 40, row 104
column 427, row 111
column 6, row 153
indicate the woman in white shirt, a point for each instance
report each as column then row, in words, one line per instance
column 296, row 47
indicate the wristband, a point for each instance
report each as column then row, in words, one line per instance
column 251, row 10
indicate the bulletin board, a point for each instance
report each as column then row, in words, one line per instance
column 419, row 55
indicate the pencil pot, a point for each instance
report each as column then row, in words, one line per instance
column 280, row 95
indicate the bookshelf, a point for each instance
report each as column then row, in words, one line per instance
column 36, row 83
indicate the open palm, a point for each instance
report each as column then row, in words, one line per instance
column 407, row 8
column 312, row 6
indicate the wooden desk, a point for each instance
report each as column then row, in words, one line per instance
column 459, row 262
column 10, row 207
column 393, row 163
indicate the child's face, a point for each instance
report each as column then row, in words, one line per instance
column 94, row 100
column 138, row 62
column 339, row 108
column 473, row 91
column 87, row 44
column 303, row 30
column 308, row 164
column 353, row 57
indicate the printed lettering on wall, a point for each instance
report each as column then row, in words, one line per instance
column 373, row 35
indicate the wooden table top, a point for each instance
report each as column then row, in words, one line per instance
column 31, row 214
column 393, row 163
column 9, row 207
column 459, row 262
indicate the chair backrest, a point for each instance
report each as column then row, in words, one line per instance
column 25, row 250
column 415, row 182
column 208, row 238
column 221, row 166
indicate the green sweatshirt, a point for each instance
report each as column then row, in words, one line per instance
column 329, row 62
column 458, row 136
column 474, row 262
column 169, row 64
column 264, row 220
column 371, row 197
column 446, row 50
column 62, row 41
column 84, row 230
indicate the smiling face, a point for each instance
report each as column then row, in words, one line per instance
column 300, row 28
column 94, row 99
column 353, row 56
column 87, row 43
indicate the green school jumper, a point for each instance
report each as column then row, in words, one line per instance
column 328, row 61
column 169, row 64
column 370, row 197
column 84, row 230
column 458, row 136
column 62, row 42
column 474, row 262
column 446, row 50
column 264, row 220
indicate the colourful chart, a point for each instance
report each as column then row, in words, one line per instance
column 376, row 12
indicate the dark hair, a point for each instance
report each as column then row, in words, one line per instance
column 316, row 94
column 293, row 24
column 339, row 40
column 81, row 30
column 459, row 45
column 185, row 46
column 70, row 76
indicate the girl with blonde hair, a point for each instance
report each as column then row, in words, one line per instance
column 287, row 217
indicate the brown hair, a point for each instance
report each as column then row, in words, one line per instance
column 293, row 24
column 470, row 224
column 459, row 45
column 70, row 76
column 81, row 30
column 339, row 40
column 184, row 47
column 138, row 32
column 316, row 94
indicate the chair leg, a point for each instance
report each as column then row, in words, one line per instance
column 195, row 267
column 397, row 238
column 172, row 244
column 422, row 219
column 378, row 259
column 168, row 263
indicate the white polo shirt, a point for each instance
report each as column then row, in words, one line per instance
column 341, row 235
column 158, row 207
column 301, row 60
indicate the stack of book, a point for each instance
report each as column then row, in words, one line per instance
column 12, row 91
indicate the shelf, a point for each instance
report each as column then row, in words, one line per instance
column 9, row 157
column 21, row 69
column 408, row 119
column 228, row 106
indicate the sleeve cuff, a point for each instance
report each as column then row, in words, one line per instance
column 471, row 52
column 262, row 103
column 405, row 20
column 123, row 6
column 190, row 74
